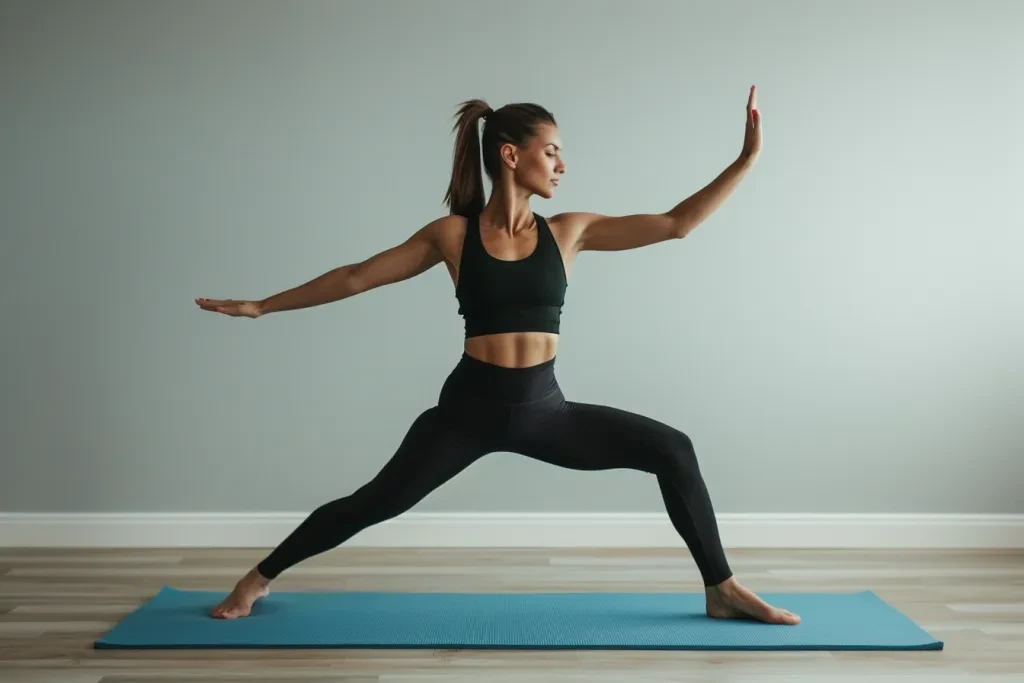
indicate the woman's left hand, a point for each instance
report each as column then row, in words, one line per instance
column 752, row 138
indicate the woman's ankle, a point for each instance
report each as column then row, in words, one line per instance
column 722, row 587
column 256, row 576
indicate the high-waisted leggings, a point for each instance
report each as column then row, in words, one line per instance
column 485, row 408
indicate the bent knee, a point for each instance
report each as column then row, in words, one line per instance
column 680, row 456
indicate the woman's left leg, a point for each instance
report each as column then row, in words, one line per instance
column 586, row 436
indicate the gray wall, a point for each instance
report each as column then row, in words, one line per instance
column 844, row 335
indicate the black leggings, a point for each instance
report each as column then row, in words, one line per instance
column 485, row 408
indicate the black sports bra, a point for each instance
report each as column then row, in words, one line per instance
column 525, row 295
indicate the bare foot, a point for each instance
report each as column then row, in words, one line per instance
column 248, row 590
column 730, row 600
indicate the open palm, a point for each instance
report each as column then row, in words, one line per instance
column 233, row 307
column 752, row 136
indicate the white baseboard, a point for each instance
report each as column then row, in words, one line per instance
column 508, row 530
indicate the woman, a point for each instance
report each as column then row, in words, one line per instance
column 510, row 269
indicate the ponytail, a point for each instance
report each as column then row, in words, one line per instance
column 512, row 124
column 465, row 196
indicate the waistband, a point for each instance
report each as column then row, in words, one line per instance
column 508, row 385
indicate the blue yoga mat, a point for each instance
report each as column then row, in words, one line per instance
column 538, row 621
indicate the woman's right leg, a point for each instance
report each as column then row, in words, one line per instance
column 434, row 450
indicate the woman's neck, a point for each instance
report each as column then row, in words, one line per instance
column 508, row 210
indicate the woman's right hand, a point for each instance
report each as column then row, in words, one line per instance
column 233, row 307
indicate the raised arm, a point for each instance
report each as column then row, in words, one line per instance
column 412, row 257
column 595, row 232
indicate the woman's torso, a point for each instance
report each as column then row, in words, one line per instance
column 511, row 349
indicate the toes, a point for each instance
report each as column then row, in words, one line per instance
column 221, row 611
column 788, row 617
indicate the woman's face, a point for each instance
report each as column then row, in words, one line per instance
column 537, row 166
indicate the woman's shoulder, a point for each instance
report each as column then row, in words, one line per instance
column 568, row 226
column 447, row 227
column 443, row 227
column 446, row 233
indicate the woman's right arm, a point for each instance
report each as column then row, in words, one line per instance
column 412, row 257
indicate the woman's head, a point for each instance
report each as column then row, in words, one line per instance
column 520, row 140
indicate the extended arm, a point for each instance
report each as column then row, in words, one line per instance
column 617, row 233
column 416, row 255
column 595, row 232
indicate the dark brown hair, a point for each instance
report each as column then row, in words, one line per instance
column 513, row 123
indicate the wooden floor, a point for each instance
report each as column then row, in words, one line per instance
column 55, row 603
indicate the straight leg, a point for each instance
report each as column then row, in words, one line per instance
column 433, row 451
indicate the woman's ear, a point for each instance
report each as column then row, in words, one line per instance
column 509, row 155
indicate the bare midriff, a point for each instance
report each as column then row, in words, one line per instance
column 513, row 349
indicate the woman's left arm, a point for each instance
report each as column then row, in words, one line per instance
column 596, row 232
